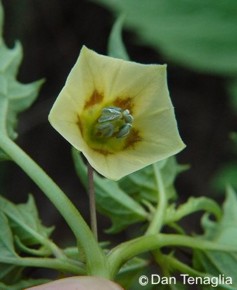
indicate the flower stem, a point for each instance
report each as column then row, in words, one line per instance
column 91, row 192
column 95, row 258
column 159, row 215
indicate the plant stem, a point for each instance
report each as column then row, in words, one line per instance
column 95, row 258
column 91, row 192
column 125, row 251
column 159, row 215
column 49, row 263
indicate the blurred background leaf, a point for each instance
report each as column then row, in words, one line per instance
column 199, row 34
column 116, row 46
column 227, row 174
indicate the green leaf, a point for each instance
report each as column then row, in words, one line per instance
column 5, row 270
column 6, row 238
column 130, row 272
column 225, row 176
column 3, row 156
column 116, row 47
column 142, row 185
column 223, row 232
column 207, row 43
column 111, row 200
column 232, row 88
column 192, row 205
column 24, row 221
column 10, row 273
column 41, row 251
column 1, row 20
column 7, row 250
column 14, row 96
column 23, row 284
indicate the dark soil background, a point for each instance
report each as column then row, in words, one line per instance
column 52, row 34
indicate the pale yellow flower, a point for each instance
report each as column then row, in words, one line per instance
column 117, row 113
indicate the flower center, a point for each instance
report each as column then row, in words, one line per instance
column 114, row 122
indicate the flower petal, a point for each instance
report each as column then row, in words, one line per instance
column 64, row 118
